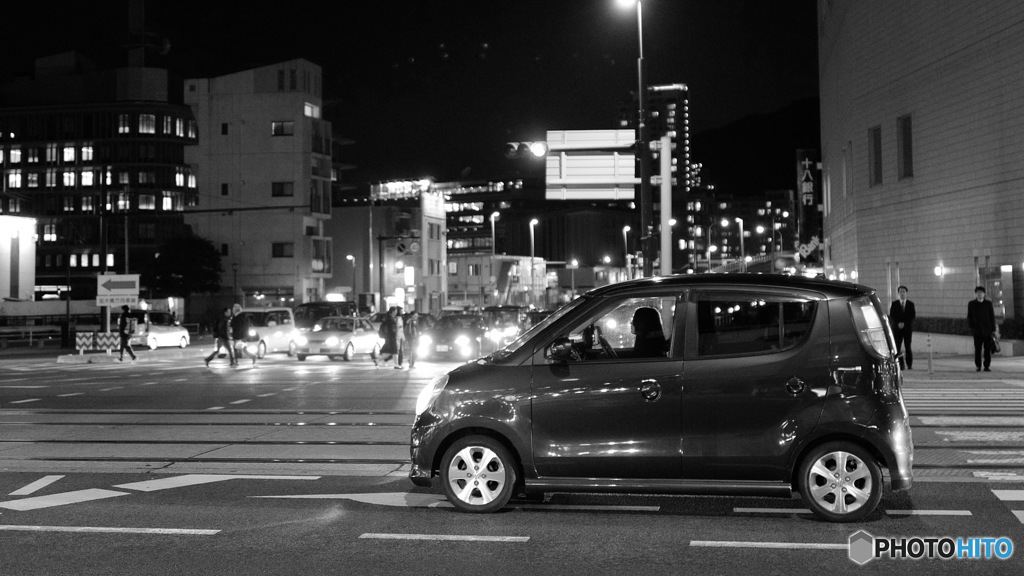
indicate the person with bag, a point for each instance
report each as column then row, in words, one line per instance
column 388, row 333
column 412, row 336
column 239, row 332
column 901, row 319
column 981, row 319
column 221, row 337
column 125, row 328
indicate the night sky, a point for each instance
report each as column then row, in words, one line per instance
column 435, row 88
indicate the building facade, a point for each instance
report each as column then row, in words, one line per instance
column 264, row 180
column 97, row 158
column 921, row 149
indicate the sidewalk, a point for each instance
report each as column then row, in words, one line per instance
column 961, row 367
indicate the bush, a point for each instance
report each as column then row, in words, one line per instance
column 1009, row 329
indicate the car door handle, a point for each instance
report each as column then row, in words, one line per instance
column 795, row 386
column 650, row 390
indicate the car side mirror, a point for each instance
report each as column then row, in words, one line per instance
column 561, row 350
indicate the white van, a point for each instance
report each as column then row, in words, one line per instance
column 270, row 330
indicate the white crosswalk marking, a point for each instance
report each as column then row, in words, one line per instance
column 967, row 400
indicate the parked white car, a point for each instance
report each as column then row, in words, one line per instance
column 155, row 329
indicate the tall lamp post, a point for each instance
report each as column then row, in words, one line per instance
column 724, row 224
column 533, row 223
column 743, row 251
column 573, row 265
column 625, row 246
column 646, row 202
column 352, row 259
column 234, row 291
column 494, row 244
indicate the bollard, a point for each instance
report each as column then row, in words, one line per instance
column 930, row 371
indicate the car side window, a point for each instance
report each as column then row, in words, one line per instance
column 637, row 328
column 748, row 323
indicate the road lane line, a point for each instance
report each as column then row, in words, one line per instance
column 215, row 408
column 1020, row 515
column 585, row 507
column 37, row 485
column 71, row 394
column 782, row 545
column 25, row 386
column 112, row 388
column 446, row 537
column 195, row 479
column 112, row 530
column 928, row 512
column 266, row 395
column 25, row 401
column 62, row 499
column 1009, row 495
column 242, row 401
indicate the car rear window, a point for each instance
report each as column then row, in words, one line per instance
column 870, row 326
column 743, row 323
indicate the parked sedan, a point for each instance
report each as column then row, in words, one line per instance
column 336, row 336
column 454, row 336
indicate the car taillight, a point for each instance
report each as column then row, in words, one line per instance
column 870, row 327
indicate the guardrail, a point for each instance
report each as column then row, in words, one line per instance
column 97, row 341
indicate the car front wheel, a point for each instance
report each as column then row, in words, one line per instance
column 841, row 481
column 261, row 350
column 478, row 474
column 183, row 343
column 153, row 345
column 349, row 352
column 301, row 357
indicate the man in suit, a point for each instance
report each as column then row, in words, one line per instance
column 901, row 318
column 981, row 319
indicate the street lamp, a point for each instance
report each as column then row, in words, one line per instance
column 724, row 224
column 743, row 251
column 494, row 246
column 625, row 245
column 352, row 259
column 646, row 202
column 573, row 265
column 533, row 223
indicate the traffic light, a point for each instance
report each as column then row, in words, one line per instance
column 526, row 149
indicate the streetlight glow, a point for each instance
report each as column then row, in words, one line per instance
column 494, row 245
column 533, row 223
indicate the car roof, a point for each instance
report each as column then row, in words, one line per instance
column 831, row 288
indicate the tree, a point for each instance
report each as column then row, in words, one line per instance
column 185, row 265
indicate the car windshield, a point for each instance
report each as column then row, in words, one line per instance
column 536, row 328
column 338, row 324
column 257, row 319
column 161, row 319
column 503, row 316
column 448, row 323
column 307, row 316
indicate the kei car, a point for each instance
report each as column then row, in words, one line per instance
column 339, row 336
column 271, row 330
column 741, row 384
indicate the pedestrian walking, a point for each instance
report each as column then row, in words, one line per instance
column 239, row 332
column 901, row 318
column 412, row 335
column 222, row 337
column 125, row 328
column 387, row 332
column 981, row 319
column 399, row 336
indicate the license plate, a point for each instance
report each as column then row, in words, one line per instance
column 442, row 348
column 326, row 351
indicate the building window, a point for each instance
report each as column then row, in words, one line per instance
column 69, row 179
column 294, row 78
column 73, row 260
column 224, row 189
column 147, row 177
column 147, row 202
column 874, row 156
column 453, row 268
column 69, row 203
column 192, row 130
column 168, row 123
column 32, row 155
column 33, row 179
column 282, row 128
column 123, row 124
column 311, row 110
column 905, row 146
column 69, row 154
column 171, row 201
column 179, row 177
column 283, row 250
column 87, row 153
column 147, row 123
column 51, row 153
column 223, row 249
column 88, row 204
column 224, row 129
column 474, row 269
column 88, row 177
column 179, row 127
column 147, row 230
column 15, row 157
column 51, row 177
column 49, row 232
column 122, row 178
column 278, row 189
column 280, row 79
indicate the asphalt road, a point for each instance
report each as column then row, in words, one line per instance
column 168, row 467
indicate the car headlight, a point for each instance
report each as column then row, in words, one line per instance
column 426, row 340
column 494, row 335
column 331, row 341
column 462, row 340
column 301, row 340
column 430, row 393
column 252, row 333
column 511, row 331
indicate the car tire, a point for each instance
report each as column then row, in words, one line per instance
column 478, row 474
column 331, row 357
column 301, row 357
column 183, row 342
column 152, row 343
column 349, row 352
column 841, row 481
column 291, row 349
column 261, row 350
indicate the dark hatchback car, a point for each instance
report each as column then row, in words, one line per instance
column 740, row 384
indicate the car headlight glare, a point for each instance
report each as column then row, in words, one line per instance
column 301, row 341
column 331, row 341
column 426, row 340
column 462, row 340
